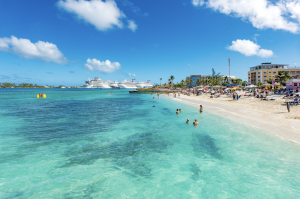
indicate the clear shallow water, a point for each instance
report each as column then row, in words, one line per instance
column 87, row 144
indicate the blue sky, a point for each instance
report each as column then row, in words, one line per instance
column 65, row 42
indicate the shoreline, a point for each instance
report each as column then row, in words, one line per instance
column 270, row 123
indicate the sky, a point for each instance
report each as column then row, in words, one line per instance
column 65, row 42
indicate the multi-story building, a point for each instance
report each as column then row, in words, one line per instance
column 261, row 73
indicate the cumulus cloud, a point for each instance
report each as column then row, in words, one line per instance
column 41, row 50
column 129, row 74
column 283, row 14
column 249, row 48
column 103, row 15
column 104, row 66
column 131, row 25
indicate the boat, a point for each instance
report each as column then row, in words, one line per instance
column 140, row 84
column 126, row 84
column 103, row 85
column 114, row 84
column 149, row 85
column 92, row 83
column 62, row 87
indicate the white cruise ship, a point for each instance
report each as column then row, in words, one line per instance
column 114, row 84
column 141, row 84
column 149, row 85
column 127, row 84
column 103, row 85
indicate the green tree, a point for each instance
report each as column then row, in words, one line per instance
column 198, row 82
column 282, row 77
column 172, row 78
column 244, row 83
column 270, row 81
column 259, row 84
column 160, row 81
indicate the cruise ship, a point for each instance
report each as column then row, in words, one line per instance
column 96, row 83
column 114, row 84
column 144, row 85
column 127, row 84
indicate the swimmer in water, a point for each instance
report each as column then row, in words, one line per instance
column 153, row 106
column 153, row 97
column 195, row 123
column 177, row 112
column 201, row 109
column 188, row 121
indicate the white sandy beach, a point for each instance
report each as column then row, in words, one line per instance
column 272, row 116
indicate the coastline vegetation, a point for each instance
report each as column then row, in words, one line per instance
column 27, row 85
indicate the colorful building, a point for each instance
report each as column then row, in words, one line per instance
column 293, row 84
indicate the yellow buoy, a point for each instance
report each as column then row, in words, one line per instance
column 44, row 95
column 37, row 96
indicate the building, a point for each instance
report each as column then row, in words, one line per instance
column 261, row 73
column 229, row 79
column 293, row 84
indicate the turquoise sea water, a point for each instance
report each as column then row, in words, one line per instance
column 87, row 144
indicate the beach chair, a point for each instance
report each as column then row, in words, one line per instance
column 296, row 101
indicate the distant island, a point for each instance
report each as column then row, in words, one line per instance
column 28, row 85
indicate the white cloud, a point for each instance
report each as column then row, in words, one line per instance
column 44, row 51
column 104, row 66
column 284, row 14
column 103, row 15
column 129, row 74
column 249, row 48
column 131, row 25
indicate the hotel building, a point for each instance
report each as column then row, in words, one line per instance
column 261, row 73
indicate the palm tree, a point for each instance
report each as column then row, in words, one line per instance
column 172, row 78
column 282, row 77
column 160, row 81
column 198, row 82
column 270, row 81
column 244, row 83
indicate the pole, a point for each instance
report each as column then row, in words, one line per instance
column 229, row 68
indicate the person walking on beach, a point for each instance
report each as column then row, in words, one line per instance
column 201, row 109
column 288, row 106
column 196, row 122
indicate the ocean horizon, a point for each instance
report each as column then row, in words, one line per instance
column 85, row 143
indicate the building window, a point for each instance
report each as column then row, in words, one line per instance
column 249, row 74
column 265, row 80
column 265, row 76
column 258, row 76
column 298, row 72
column 274, row 72
column 265, row 72
column 295, row 84
column 269, row 72
column 249, row 77
column 258, row 72
column 292, row 73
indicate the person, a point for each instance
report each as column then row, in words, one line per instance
column 153, row 97
column 153, row 106
column 177, row 112
column 201, row 109
column 288, row 106
column 196, row 122
column 188, row 121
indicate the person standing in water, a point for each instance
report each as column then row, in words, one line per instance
column 196, row 122
column 201, row 109
column 188, row 121
column 177, row 112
